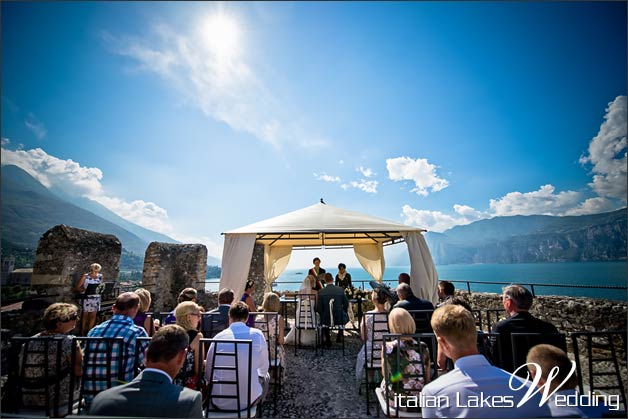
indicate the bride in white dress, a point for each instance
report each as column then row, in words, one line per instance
column 306, row 315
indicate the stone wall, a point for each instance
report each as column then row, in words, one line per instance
column 256, row 273
column 169, row 268
column 65, row 253
column 568, row 314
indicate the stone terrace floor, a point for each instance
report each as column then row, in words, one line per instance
column 321, row 386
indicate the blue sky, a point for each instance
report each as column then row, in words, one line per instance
column 197, row 118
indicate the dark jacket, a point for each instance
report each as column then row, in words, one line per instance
column 341, row 304
column 522, row 322
column 150, row 394
column 414, row 303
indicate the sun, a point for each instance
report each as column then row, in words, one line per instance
column 221, row 35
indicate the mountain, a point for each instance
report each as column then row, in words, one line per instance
column 533, row 238
column 101, row 211
column 29, row 209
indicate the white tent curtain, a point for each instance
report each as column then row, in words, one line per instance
column 423, row 275
column 371, row 257
column 276, row 259
column 236, row 261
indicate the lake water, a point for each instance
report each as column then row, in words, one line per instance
column 567, row 273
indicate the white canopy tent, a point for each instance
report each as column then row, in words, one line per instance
column 323, row 225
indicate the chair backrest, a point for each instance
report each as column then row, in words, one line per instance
column 166, row 317
column 213, row 323
column 522, row 342
column 399, row 370
column 306, row 311
column 422, row 320
column 139, row 359
column 226, row 359
column 44, row 378
column 267, row 322
column 374, row 339
column 103, row 366
column 493, row 315
column 602, row 352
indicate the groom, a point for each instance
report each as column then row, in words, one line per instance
column 341, row 304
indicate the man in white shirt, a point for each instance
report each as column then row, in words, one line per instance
column 474, row 388
column 152, row 393
column 258, row 370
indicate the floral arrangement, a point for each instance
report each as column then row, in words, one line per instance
column 355, row 293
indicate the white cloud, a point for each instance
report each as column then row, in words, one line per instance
column 592, row 206
column 341, row 162
column 5, row 141
column 543, row 201
column 422, row 173
column 607, row 153
column 439, row 221
column 326, row 178
column 75, row 180
column 207, row 66
column 366, row 172
column 36, row 126
column 369, row 186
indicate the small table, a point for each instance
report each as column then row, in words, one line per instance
column 284, row 308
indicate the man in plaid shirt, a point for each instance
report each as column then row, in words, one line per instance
column 102, row 359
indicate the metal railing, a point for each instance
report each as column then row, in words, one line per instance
column 530, row 285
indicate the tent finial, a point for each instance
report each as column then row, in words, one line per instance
column 322, row 202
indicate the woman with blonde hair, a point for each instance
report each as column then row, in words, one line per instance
column 271, row 304
column 142, row 319
column 59, row 320
column 369, row 329
column 91, row 300
column 188, row 315
column 305, row 314
column 403, row 357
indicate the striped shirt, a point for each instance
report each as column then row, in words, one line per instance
column 95, row 378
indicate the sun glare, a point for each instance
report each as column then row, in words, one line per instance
column 221, row 35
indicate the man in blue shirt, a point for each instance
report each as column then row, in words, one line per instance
column 120, row 325
column 474, row 388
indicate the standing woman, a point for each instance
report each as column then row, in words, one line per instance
column 188, row 315
column 91, row 302
column 343, row 278
column 247, row 298
column 318, row 273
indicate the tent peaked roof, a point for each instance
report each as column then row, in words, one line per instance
column 324, row 225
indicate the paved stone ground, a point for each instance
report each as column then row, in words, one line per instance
column 321, row 386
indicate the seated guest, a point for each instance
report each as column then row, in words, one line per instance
column 225, row 298
column 403, row 278
column 271, row 304
column 188, row 315
column 247, row 298
column 258, row 370
column 446, row 292
column 459, row 389
column 414, row 357
column 517, row 300
column 59, row 320
column 339, row 315
column 120, row 325
column 141, row 318
column 188, row 294
column 408, row 301
column 152, row 393
column 541, row 360
column 367, row 333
